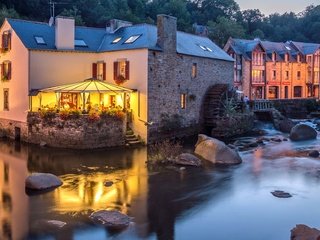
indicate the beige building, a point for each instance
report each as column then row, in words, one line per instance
column 156, row 69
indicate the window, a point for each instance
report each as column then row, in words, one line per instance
column 116, row 40
column 205, row 48
column 194, row 70
column 298, row 74
column 121, row 70
column 39, row 40
column 99, row 70
column 183, row 100
column 274, row 74
column 6, row 41
column 297, row 91
column 6, row 99
column 298, row 58
column 273, row 57
column 273, row 92
column 309, row 59
column 6, row 71
column 80, row 43
column 286, row 57
column 288, row 48
column 287, row 74
column 257, row 76
column 132, row 39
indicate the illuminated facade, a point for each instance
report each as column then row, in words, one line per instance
column 271, row 70
column 156, row 62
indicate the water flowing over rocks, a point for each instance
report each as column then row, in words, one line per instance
column 111, row 219
column 303, row 232
column 215, row 151
column 302, row 132
column 41, row 181
column 188, row 159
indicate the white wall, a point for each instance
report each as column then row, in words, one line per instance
column 18, row 84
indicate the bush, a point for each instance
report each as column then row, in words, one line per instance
column 164, row 151
column 170, row 122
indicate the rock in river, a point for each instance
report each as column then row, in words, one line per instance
column 41, row 181
column 216, row 151
column 303, row 232
column 302, row 132
column 111, row 219
column 281, row 194
column 187, row 159
column 314, row 154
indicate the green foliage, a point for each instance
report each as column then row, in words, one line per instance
column 230, row 107
column 7, row 13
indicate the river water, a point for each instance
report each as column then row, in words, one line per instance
column 198, row 203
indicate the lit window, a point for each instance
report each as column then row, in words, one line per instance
column 194, row 70
column 132, row 39
column 183, row 98
column 40, row 40
column 116, row 40
column 121, row 71
column 6, row 99
column 80, row 43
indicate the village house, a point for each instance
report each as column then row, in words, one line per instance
column 156, row 74
column 274, row 70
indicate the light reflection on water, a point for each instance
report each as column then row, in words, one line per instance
column 209, row 203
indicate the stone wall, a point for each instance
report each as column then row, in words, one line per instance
column 169, row 76
column 77, row 132
column 295, row 108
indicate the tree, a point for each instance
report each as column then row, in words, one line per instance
column 7, row 13
column 224, row 28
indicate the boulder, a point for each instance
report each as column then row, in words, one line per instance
column 302, row 132
column 314, row 154
column 303, row 232
column 111, row 219
column 215, row 151
column 187, row 159
column 286, row 125
column 41, row 181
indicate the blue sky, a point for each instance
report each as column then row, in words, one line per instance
column 280, row 6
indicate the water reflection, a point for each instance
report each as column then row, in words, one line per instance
column 154, row 204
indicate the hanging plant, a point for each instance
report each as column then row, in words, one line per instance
column 120, row 80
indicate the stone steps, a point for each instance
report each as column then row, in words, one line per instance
column 132, row 139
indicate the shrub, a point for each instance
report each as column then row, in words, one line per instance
column 164, row 151
column 170, row 122
column 64, row 114
column 47, row 114
column 93, row 116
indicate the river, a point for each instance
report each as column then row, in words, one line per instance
column 198, row 203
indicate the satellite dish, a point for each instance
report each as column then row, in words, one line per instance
column 51, row 21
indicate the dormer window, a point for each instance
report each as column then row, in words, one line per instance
column 298, row 58
column 286, row 57
column 6, row 41
column 274, row 57
column 132, row 39
column 80, row 43
column 39, row 40
column 116, row 40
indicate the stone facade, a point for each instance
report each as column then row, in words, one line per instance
column 79, row 132
column 169, row 77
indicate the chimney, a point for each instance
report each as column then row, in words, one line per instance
column 114, row 24
column 64, row 31
column 167, row 33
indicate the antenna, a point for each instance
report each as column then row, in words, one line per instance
column 52, row 12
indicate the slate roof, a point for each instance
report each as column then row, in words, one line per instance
column 305, row 48
column 98, row 40
column 244, row 46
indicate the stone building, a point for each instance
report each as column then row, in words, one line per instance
column 157, row 74
column 273, row 70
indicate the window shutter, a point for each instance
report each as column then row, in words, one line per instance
column 127, row 70
column 115, row 70
column 2, row 41
column 9, row 70
column 94, row 70
column 9, row 41
column 104, row 71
